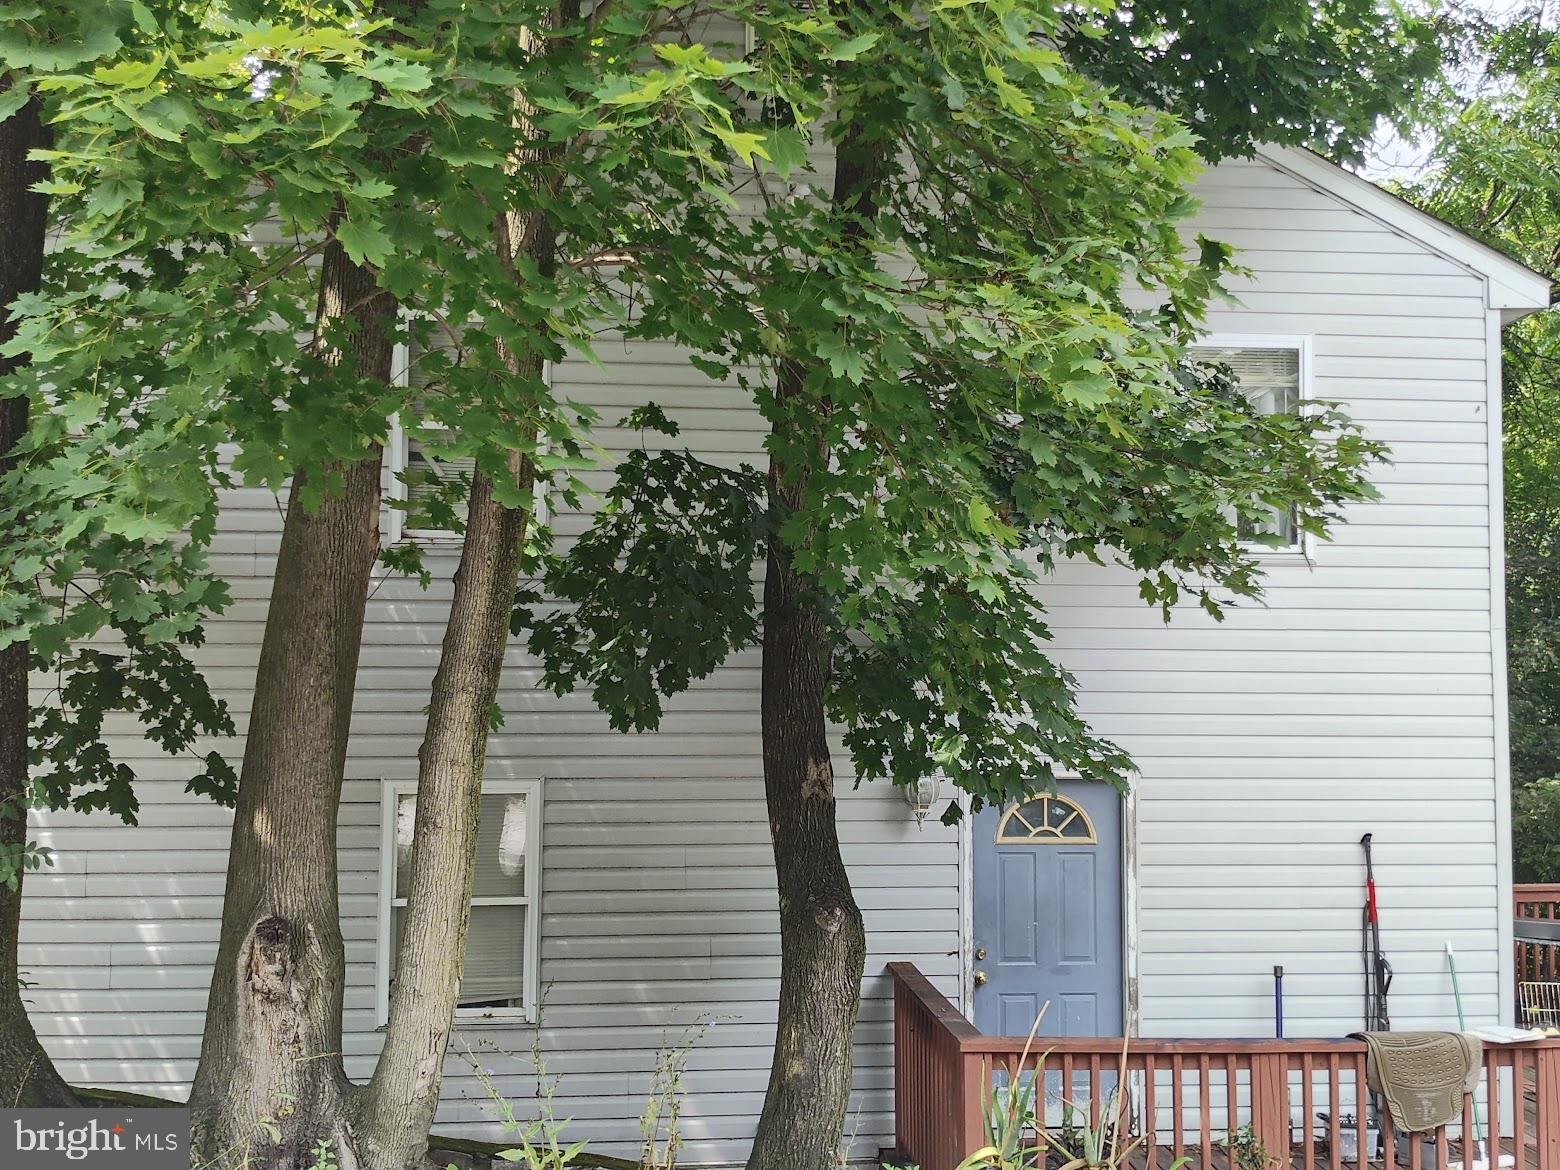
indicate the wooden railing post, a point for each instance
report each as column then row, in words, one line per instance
column 1270, row 1103
column 906, row 1054
column 939, row 1089
column 970, row 1099
column 1548, row 1087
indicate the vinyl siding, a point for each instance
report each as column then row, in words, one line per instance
column 1358, row 698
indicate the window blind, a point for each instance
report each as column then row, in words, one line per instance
column 493, row 974
column 427, row 442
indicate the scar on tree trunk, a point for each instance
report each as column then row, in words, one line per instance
column 271, row 1083
column 27, row 1075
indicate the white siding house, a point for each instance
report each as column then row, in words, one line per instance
column 1366, row 695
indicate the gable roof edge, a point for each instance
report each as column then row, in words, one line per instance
column 1510, row 286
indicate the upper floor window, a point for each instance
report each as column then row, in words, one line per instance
column 429, row 465
column 425, row 473
column 1272, row 376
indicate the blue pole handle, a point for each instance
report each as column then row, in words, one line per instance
column 1278, row 1000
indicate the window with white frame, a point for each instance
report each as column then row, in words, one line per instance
column 422, row 466
column 499, row 979
column 1272, row 376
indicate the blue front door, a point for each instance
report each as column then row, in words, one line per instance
column 1048, row 914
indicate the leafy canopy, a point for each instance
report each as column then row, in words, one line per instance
column 982, row 389
column 991, row 376
column 203, row 160
column 1244, row 72
column 1493, row 176
column 94, row 573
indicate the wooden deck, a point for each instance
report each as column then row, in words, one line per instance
column 1219, row 1157
column 1321, row 1158
column 1299, row 1100
column 1535, row 961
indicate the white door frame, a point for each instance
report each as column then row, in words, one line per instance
column 1130, row 908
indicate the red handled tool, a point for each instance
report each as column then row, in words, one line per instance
column 1378, row 972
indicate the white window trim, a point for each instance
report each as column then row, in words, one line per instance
column 1305, row 548
column 397, row 456
column 390, row 794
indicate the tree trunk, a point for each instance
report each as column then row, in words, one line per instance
column 27, row 1075
column 271, row 1081
column 400, row 1101
column 822, row 939
column 823, row 945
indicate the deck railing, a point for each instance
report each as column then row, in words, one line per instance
column 1303, row 1101
column 1537, row 962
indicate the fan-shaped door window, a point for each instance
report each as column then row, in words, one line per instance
column 1045, row 820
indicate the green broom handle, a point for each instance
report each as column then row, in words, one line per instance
column 1462, row 1026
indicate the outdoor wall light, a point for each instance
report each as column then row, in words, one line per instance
column 921, row 796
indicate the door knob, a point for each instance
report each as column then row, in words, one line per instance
column 980, row 978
